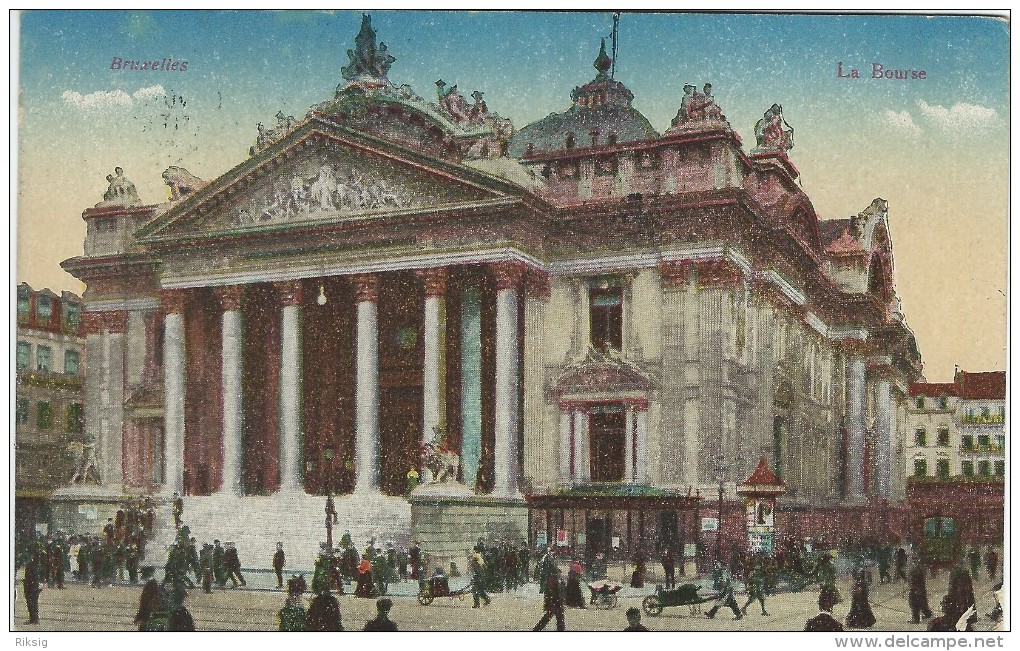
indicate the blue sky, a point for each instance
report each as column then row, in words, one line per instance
column 936, row 149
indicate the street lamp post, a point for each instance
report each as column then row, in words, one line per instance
column 721, row 473
column 330, row 507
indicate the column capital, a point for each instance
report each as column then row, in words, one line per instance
column 508, row 274
column 172, row 300
column 366, row 287
column 434, row 280
column 230, row 297
column 857, row 348
column 290, row 292
column 115, row 321
column 92, row 323
column 537, row 283
column 675, row 273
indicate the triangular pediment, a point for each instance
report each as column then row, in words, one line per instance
column 323, row 174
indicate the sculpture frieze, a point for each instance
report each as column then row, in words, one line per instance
column 330, row 191
column 772, row 132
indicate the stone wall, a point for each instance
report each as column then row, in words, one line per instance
column 446, row 528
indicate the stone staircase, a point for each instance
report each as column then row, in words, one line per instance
column 256, row 523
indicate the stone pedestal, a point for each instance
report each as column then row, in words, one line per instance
column 447, row 519
column 84, row 508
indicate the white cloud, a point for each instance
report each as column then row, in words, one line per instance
column 902, row 121
column 961, row 116
column 109, row 98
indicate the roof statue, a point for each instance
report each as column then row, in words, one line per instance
column 121, row 192
column 366, row 59
column 696, row 108
column 769, row 131
column 181, row 182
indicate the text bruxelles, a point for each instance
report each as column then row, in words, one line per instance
column 165, row 65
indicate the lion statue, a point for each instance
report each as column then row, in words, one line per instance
column 181, row 182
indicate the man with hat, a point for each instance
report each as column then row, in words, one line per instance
column 278, row 560
column 478, row 580
column 382, row 622
column 233, row 564
column 219, row 564
column 634, row 620
column 553, row 601
column 824, row 622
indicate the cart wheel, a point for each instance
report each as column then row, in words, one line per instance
column 612, row 601
column 425, row 596
column 652, row 605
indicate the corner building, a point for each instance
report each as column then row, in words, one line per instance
column 602, row 321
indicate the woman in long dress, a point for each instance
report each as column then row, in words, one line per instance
column 860, row 615
column 573, row 596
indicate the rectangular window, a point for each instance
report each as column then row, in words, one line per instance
column 43, row 308
column 920, row 438
column 967, row 467
column 24, row 354
column 23, row 408
column 72, row 315
column 1000, row 468
column 968, row 441
column 24, row 303
column 984, row 440
column 944, row 437
column 1000, row 441
column 985, row 413
column 42, row 358
column 1002, row 413
column 943, row 403
column 942, row 468
column 44, row 416
column 606, row 312
column 920, row 468
column 72, row 362
column 920, row 403
column 73, row 423
column 985, row 468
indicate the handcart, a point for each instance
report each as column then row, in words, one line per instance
column 685, row 595
column 439, row 586
column 603, row 594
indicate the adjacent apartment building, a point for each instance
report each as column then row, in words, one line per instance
column 958, row 427
column 50, row 371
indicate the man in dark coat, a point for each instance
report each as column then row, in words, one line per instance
column 414, row 558
column 918, row 596
column 974, row 556
column 382, row 622
column 178, row 508
column 824, row 622
column 233, row 565
column 278, row 560
column 726, row 598
column 901, row 564
column 553, row 600
column 32, row 590
column 219, row 564
column 669, row 567
column 961, row 595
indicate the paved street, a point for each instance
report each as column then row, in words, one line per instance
column 82, row 608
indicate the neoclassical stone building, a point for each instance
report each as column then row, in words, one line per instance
column 599, row 318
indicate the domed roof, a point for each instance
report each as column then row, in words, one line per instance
column 602, row 104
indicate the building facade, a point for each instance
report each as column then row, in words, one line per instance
column 586, row 311
column 49, row 417
column 958, row 428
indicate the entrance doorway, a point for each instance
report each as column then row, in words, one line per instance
column 607, row 434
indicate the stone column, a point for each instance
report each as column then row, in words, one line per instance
column 630, row 425
column 290, row 387
column 582, row 455
column 856, row 376
column 434, row 281
column 232, row 378
column 112, row 459
column 566, row 444
column 366, row 434
column 173, row 391
column 508, row 278
column 883, row 436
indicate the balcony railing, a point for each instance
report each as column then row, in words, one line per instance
column 978, row 419
column 49, row 379
column 991, row 448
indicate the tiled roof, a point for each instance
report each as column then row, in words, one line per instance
column 763, row 476
column 981, row 386
column 932, row 389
